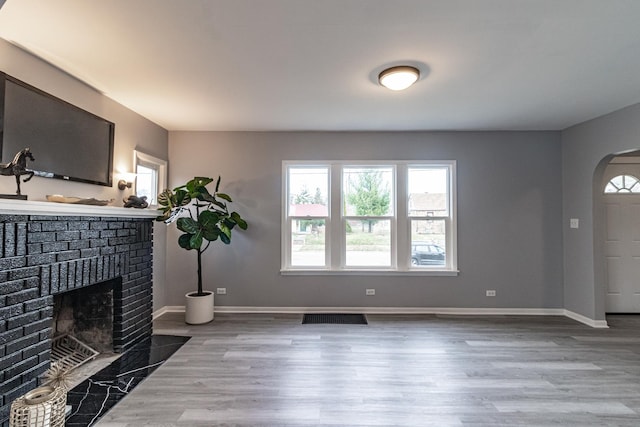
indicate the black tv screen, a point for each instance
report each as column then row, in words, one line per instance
column 67, row 142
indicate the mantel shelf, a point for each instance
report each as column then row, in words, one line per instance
column 28, row 207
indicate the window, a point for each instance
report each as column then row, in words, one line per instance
column 429, row 207
column 308, row 216
column 367, row 195
column 623, row 184
column 151, row 176
column 363, row 216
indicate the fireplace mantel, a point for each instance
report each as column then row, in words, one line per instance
column 28, row 207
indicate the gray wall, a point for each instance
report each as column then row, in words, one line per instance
column 509, row 216
column 132, row 132
column 586, row 148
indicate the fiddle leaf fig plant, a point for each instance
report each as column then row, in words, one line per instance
column 208, row 222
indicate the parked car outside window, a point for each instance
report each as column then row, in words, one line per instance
column 427, row 254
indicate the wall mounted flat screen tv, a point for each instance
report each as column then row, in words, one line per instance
column 67, row 142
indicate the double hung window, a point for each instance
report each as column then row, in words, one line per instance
column 151, row 176
column 369, row 216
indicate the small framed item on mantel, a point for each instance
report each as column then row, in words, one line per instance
column 17, row 167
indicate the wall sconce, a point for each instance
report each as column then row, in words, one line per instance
column 126, row 181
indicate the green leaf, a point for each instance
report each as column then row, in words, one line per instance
column 220, row 205
column 165, row 198
column 211, row 233
column 198, row 181
column 196, row 241
column 185, row 241
column 226, row 231
column 208, row 217
column 225, row 239
column 188, row 225
column 203, row 181
column 238, row 220
column 224, row 196
column 205, row 196
column 181, row 198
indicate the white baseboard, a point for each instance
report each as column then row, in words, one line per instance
column 168, row 309
column 587, row 321
column 400, row 310
column 395, row 310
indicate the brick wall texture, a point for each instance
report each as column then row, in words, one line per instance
column 41, row 256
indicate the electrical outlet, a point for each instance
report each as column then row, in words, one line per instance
column 371, row 292
column 221, row 291
column 491, row 293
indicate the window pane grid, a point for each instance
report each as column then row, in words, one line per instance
column 308, row 243
column 368, row 243
column 366, row 198
column 623, row 184
column 368, row 191
column 429, row 243
column 308, row 216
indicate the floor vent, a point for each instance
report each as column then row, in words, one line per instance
column 334, row 318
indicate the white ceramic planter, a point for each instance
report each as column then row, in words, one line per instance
column 198, row 309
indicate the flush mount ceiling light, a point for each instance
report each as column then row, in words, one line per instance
column 399, row 78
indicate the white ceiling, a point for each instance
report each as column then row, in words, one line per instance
column 312, row 64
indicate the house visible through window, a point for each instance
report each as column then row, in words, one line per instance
column 359, row 216
column 308, row 216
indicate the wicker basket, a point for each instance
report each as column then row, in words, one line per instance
column 42, row 407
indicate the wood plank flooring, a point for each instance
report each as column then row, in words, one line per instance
column 270, row 370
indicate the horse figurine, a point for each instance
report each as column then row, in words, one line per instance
column 18, row 167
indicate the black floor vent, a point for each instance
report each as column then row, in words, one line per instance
column 334, row 318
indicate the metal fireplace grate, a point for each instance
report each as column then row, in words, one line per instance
column 334, row 318
column 69, row 353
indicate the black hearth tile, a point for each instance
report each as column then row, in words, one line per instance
column 119, row 378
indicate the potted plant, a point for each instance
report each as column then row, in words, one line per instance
column 208, row 222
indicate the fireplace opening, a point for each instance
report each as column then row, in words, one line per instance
column 83, row 323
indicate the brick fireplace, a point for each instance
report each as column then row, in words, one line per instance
column 42, row 256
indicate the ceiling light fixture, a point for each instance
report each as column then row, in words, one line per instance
column 399, row 78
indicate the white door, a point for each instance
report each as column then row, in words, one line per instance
column 622, row 253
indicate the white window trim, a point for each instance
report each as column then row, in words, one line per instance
column 619, row 190
column 393, row 219
column 287, row 221
column 140, row 157
column 335, row 256
column 451, row 221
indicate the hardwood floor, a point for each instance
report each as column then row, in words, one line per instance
column 270, row 370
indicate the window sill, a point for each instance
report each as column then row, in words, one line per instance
column 369, row 272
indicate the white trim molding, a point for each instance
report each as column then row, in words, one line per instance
column 400, row 311
column 395, row 310
column 168, row 309
column 600, row 324
column 28, row 207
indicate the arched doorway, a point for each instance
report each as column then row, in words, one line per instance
column 619, row 233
